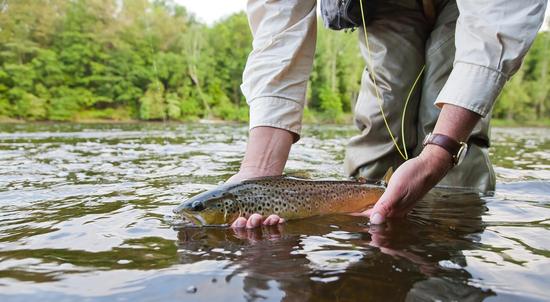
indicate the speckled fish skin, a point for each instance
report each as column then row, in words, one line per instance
column 288, row 197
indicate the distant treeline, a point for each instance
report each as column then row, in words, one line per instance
column 151, row 60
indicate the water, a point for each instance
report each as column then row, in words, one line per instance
column 83, row 216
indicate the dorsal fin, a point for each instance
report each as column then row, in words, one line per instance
column 387, row 176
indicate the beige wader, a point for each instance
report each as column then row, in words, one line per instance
column 401, row 41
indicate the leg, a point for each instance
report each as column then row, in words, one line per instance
column 476, row 171
column 397, row 36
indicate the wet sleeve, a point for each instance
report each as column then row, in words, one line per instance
column 492, row 37
column 278, row 68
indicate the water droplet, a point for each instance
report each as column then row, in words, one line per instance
column 191, row 289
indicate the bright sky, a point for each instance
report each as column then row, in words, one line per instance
column 211, row 10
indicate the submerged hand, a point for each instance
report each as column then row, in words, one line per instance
column 410, row 182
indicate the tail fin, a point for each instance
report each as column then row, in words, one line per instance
column 387, row 176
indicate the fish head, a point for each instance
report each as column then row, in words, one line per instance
column 213, row 207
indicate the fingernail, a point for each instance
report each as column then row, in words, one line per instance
column 376, row 218
column 240, row 223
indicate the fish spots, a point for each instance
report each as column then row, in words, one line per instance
column 292, row 197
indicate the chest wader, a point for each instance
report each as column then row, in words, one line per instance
column 404, row 36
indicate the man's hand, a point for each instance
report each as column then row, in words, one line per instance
column 266, row 155
column 410, row 182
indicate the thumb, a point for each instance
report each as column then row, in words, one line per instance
column 382, row 208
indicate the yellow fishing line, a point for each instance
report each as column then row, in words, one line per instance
column 403, row 153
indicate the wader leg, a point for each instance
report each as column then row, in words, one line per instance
column 397, row 37
column 476, row 171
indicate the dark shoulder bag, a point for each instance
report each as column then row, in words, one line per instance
column 345, row 14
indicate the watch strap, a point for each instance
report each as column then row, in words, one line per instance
column 452, row 146
column 449, row 144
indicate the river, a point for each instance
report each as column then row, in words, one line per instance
column 85, row 216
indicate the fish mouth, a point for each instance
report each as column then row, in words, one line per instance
column 198, row 220
column 193, row 218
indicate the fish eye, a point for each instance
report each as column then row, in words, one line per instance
column 198, row 206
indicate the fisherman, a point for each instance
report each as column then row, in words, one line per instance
column 470, row 49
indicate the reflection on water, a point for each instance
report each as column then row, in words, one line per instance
column 83, row 215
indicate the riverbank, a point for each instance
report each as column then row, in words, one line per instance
column 308, row 119
column 512, row 123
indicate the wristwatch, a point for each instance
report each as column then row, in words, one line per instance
column 456, row 149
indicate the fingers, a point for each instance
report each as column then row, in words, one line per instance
column 384, row 207
column 381, row 209
column 256, row 220
column 235, row 178
column 273, row 220
column 365, row 213
column 239, row 223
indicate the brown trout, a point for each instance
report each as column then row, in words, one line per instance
column 288, row 197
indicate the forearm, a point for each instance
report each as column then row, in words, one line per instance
column 267, row 151
column 456, row 122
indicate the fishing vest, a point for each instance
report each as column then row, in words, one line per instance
column 346, row 14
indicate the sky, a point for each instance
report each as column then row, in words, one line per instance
column 212, row 10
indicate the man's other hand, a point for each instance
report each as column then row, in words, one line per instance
column 410, row 182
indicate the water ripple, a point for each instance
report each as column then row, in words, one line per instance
column 85, row 215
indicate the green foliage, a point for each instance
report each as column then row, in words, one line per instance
column 336, row 75
column 227, row 111
column 330, row 103
column 190, row 104
column 66, row 60
column 153, row 104
column 139, row 59
column 173, row 106
column 5, row 107
column 526, row 96
column 31, row 107
column 65, row 102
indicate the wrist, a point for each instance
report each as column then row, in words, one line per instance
column 436, row 159
column 267, row 151
column 256, row 171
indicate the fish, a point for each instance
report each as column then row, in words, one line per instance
column 288, row 197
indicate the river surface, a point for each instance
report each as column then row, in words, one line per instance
column 85, row 216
